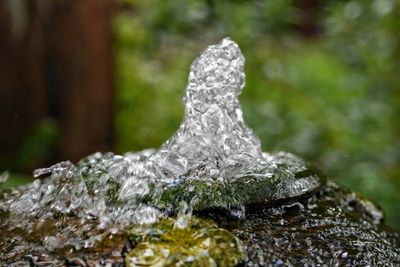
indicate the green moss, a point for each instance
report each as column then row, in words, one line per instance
column 186, row 241
column 291, row 177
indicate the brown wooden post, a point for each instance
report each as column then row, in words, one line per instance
column 22, row 79
column 58, row 64
column 82, row 56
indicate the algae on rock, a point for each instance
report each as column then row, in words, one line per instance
column 186, row 241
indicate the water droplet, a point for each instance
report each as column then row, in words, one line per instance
column 4, row 176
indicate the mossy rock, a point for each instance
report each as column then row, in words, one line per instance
column 289, row 177
column 332, row 226
column 319, row 224
column 187, row 241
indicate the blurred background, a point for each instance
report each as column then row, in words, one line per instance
column 79, row 76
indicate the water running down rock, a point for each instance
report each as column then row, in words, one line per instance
column 212, row 166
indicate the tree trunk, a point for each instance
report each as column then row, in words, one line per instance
column 56, row 61
column 22, row 79
column 82, row 60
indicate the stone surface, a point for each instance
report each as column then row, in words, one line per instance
column 333, row 227
column 185, row 241
column 283, row 210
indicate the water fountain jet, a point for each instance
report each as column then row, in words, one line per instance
column 110, row 209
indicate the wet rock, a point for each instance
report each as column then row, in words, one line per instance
column 332, row 227
column 112, row 210
column 288, row 177
column 186, row 241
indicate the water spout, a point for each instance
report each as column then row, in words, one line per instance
column 214, row 160
column 213, row 139
column 212, row 166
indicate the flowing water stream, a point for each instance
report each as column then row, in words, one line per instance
column 214, row 160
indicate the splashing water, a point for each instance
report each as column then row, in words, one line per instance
column 204, row 164
column 213, row 140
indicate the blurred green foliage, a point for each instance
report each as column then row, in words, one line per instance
column 39, row 144
column 15, row 179
column 332, row 99
column 37, row 147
